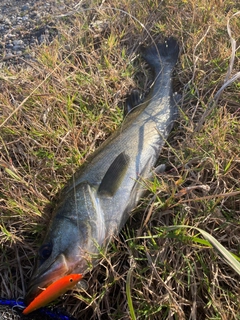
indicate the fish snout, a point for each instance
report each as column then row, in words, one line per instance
column 46, row 275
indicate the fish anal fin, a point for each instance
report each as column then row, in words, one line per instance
column 114, row 175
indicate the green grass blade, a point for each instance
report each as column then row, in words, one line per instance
column 227, row 256
column 128, row 293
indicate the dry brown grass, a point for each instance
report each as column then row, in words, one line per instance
column 57, row 110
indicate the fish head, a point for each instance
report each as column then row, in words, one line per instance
column 56, row 258
column 69, row 245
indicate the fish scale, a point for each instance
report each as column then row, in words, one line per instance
column 97, row 200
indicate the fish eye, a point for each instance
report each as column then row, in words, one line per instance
column 45, row 251
column 71, row 280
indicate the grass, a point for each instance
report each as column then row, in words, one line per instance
column 57, row 110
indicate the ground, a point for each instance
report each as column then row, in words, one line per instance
column 57, row 108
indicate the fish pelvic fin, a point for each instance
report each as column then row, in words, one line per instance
column 114, row 175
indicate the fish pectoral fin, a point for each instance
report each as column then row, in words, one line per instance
column 114, row 175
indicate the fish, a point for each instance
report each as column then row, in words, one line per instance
column 97, row 200
column 52, row 292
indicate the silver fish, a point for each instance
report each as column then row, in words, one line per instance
column 97, row 200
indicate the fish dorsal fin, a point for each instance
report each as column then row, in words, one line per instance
column 132, row 101
column 114, row 175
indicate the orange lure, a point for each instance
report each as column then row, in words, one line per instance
column 53, row 291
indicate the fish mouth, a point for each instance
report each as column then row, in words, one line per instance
column 43, row 278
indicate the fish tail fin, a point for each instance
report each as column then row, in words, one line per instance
column 161, row 54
